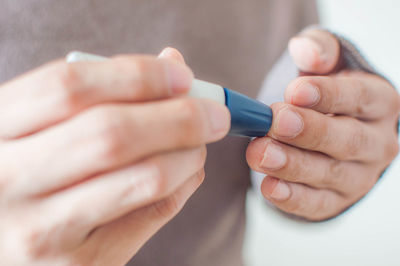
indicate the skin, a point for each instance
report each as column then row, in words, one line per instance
column 94, row 163
column 331, row 138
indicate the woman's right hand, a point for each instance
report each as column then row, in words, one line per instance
column 96, row 156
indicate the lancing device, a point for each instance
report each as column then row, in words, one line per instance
column 249, row 117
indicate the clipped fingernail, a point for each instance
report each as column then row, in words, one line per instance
column 277, row 189
column 179, row 76
column 306, row 95
column 274, row 157
column 289, row 124
column 306, row 52
column 219, row 118
column 281, row 191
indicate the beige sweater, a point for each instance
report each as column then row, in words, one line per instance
column 231, row 42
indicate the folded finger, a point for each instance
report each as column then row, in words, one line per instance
column 341, row 137
column 359, row 95
column 313, row 169
column 59, row 90
column 301, row 200
column 108, row 137
column 315, row 51
column 110, row 196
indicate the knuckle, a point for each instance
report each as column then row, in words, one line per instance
column 201, row 176
column 136, row 69
column 13, row 172
column 393, row 100
column 189, row 120
column 168, row 207
column 141, row 67
column 320, row 136
column 33, row 239
column 150, row 185
column 395, row 149
column 335, row 94
column 298, row 169
column 68, row 81
column 295, row 207
column 109, row 132
column 333, row 173
column 321, row 206
column 33, row 242
column 367, row 185
column 392, row 148
column 396, row 99
column 356, row 142
column 297, row 174
column 159, row 180
column 364, row 98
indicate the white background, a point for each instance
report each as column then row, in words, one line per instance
column 368, row 234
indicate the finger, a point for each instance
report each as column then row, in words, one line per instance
column 341, row 137
column 110, row 196
column 126, row 235
column 109, row 137
column 172, row 53
column 315, row 51
column 298, row 199
column 313, row 169
column 60, row 90
column 360, row 95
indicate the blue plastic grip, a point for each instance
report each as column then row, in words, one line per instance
column 249, row 117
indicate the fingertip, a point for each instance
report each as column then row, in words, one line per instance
column 302, row 92
column 172, row 53
column 255, row 151
column 219, row 119
column 179, row 77
column 287, row 123
column 306, row 53
column 315, row 51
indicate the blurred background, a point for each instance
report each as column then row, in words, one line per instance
column 368, row 234
column 373, row 25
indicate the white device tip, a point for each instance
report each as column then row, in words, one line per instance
column 76, row 56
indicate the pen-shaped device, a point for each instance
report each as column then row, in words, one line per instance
column 249, row 117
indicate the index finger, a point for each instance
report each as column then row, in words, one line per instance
column 360, row 95
column 59, row 90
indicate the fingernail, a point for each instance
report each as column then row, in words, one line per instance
column 306, row 95
column 275, row 188
column 289, row 124
column 219, row 118
column 281, row 191
column 274, row 157
column 306, row 52
column 180, row 77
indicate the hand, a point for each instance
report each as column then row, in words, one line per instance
column 332, row 137
column 96, row 156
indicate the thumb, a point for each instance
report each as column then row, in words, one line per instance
column 172, row 53
column 315, row 51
